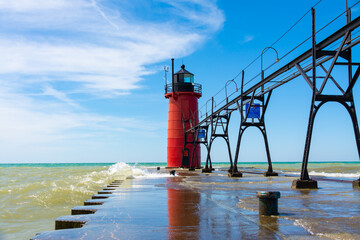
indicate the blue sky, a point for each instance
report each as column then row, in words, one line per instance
column 82, row 80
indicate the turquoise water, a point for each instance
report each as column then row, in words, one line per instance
column 163, row 164
column 73, row 164
column 33, row 195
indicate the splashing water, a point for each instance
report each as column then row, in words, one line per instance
column 335, row 175
column 31, row 198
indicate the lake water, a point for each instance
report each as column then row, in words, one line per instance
column 32, row 196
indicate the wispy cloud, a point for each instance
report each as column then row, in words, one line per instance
column 97, row 48
column 204, row 13
column 39, row 121
column 97, row 8
column 29, row 5
column 85, row 45
column 247, row 38
column 61, row 96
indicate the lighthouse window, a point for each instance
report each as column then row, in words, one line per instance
column 188, row 78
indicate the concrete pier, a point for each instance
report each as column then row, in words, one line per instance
column 68, row 222
column 193, row 205
column 271, row 174
column 207, row 170
column 304, row 184
column 235, row 175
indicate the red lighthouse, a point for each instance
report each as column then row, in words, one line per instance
column 183, row 95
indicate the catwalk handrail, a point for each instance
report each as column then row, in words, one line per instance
column 326, row 42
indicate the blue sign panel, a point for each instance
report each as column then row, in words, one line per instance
column 254, row 110
column 201, row 133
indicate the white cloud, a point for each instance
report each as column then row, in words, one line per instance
column 112, row 54
column 27, row 121
column 202, row 13
column 247, row 38
column 103, row 68
column 50, row 91
column 98, row 9
column 98, row 48
column 30, row 5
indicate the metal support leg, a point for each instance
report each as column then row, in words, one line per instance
column 261, row 126
column 207, row 169
column 241, row 131
column 352, row 112
column 211, row 167
column 220, row 129
column 208, row 159
column 195, row 155
column 305, row 181
column 270, row 171
column 304, row 172
column 235, row 172
column 230, row 157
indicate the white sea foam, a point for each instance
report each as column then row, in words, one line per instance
column 304, row 225
column 327, row 174
column 145, row 173
column 127, row 171
column 337, row 175
column 118, row 167
column 120, row 170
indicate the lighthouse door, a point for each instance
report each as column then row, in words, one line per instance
column 186, row 159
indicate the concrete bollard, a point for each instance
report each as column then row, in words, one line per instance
column 268, row 203
column 206, row 170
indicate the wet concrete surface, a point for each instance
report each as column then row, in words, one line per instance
column 213, row 206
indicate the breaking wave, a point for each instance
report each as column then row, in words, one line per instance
column 335, row 175
column 32, row 196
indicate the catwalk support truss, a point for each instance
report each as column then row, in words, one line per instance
column 335, row 51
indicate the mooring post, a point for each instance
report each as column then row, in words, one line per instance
column 268, row 203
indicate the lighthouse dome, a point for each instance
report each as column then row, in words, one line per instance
column 183, row 76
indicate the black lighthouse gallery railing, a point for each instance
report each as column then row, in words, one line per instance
column 183, row 87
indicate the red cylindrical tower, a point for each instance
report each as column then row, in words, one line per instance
column 183, row 95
